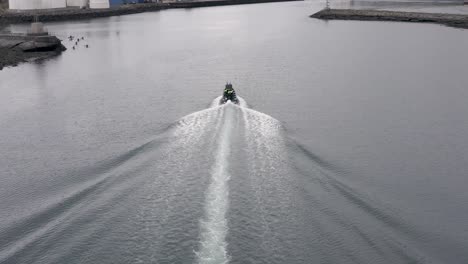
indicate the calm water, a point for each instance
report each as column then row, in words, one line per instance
column 351, row 144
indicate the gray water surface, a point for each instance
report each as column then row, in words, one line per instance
column 351, row 145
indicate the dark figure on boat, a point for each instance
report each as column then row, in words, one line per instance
column 229, row 95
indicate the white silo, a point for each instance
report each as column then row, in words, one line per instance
column 99, row 4
column 36, row 4
column 78, row 3
column 53, row 4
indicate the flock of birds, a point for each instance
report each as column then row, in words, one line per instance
column 77, row 42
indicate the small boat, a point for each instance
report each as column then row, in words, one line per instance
column 229, row 95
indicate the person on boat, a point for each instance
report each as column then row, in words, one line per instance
column 229, row 93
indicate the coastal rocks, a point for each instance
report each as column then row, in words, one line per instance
column 42, row 44
column 18, row 48
column 453, row 20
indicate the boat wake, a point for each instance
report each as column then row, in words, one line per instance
column 222, row 185
column 214, row 224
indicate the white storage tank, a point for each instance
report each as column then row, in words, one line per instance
column 78, row 3
column 99, row 4
column 36, row 4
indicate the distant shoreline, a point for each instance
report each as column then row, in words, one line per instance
column 452, row 20
column 12, row 55
column 16, row 17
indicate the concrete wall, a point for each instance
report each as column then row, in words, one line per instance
column 37, row 4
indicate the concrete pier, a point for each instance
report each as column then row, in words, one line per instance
column 30, row 43
column 37, row 29
column 452, row 20
column 16, row 48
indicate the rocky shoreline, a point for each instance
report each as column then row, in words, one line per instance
column 20, row 48
column 452, row 20
column 14, row 17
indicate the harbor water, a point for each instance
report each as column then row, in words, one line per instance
column 350, row 144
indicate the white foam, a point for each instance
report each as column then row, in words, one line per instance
column 214, row 228
column 215, row 102
column 193, row 127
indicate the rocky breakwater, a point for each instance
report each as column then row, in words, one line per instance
column 16, row 48
column 453, row 20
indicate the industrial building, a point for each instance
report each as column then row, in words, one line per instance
column 49, row 4
column 37, row 4
column 105, row 3
column 77, row 3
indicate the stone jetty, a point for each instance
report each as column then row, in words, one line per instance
column 453, row 20
column 16, row 48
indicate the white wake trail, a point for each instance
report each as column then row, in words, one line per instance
column 215, row 102
column 214, row 228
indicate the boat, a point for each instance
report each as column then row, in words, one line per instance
column 229, row 94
